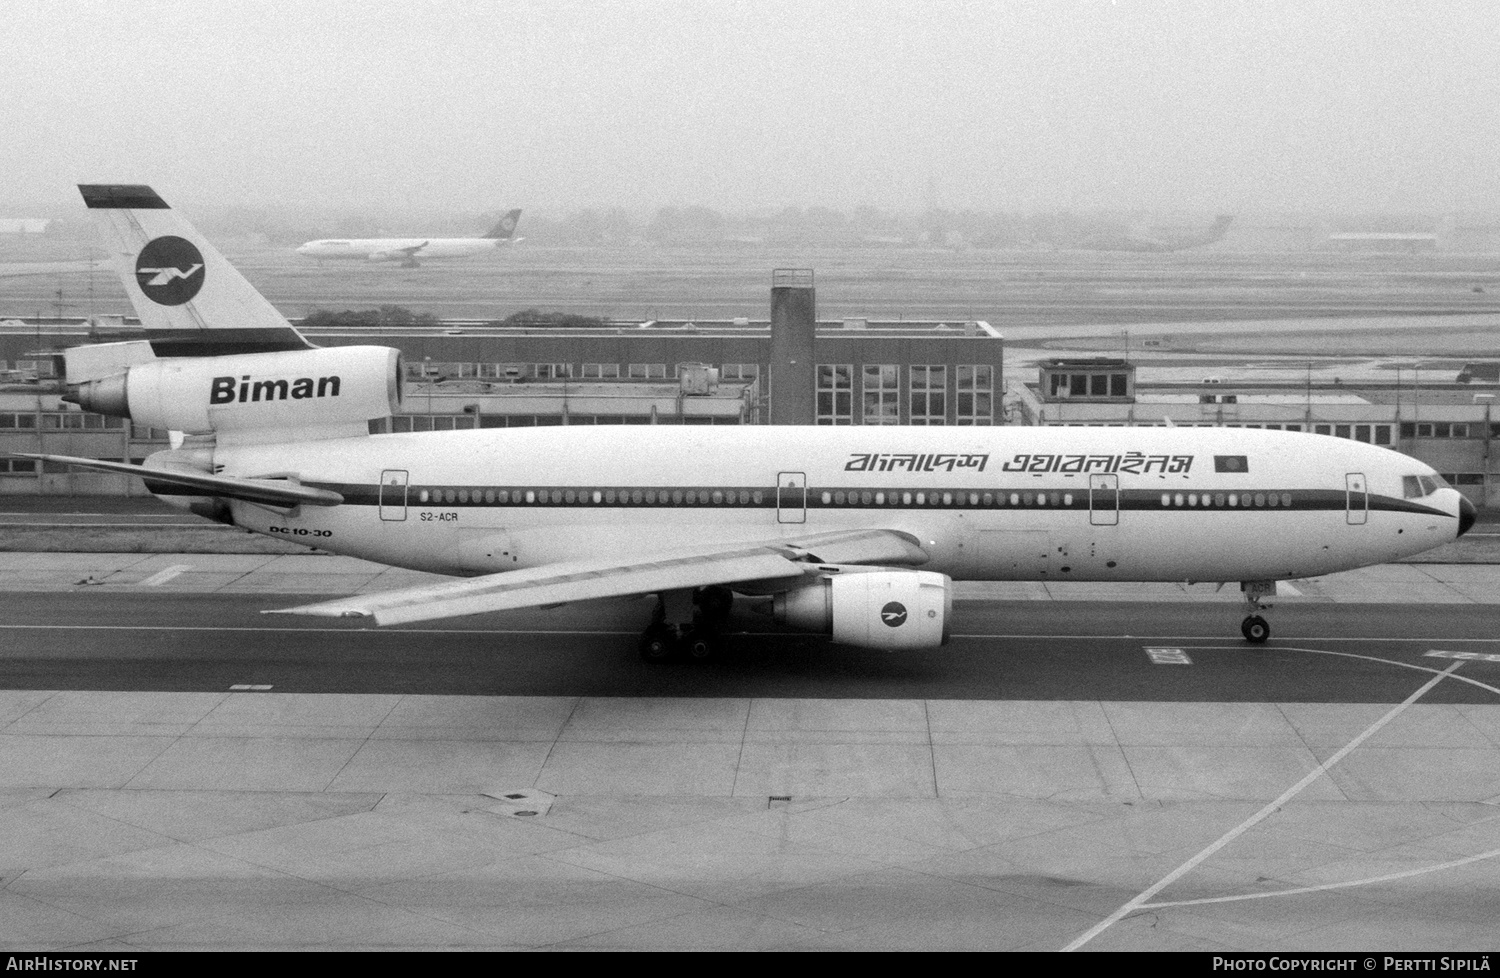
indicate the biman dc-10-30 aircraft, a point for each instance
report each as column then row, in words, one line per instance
column 855, row 532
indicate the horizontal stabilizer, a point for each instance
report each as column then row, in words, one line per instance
column 270, row 492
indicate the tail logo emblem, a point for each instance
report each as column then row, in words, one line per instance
column 894, row 614
column 169, row 270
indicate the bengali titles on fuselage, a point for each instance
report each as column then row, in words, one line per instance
column 878, row 462
column 1132, row 463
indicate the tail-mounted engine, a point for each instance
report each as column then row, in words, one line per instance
column 337, row 390
column 878, row 609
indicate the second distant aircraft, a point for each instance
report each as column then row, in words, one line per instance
column 407, row 251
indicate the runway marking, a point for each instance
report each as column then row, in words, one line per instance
column 1373, row 658
column 1419, row 871
column 165, row 574
column 1467, row 656
column 1144, row 897
column 1168, row 657
column 250, row 687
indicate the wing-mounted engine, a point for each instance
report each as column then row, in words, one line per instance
column 310, row 394
column 872, row 609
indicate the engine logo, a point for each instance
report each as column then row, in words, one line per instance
column 169, row 270
column 894, row 614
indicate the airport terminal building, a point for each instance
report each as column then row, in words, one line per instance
column 790, row 369
column 1447, row 423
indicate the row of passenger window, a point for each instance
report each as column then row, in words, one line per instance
column 1226, row 500
column 595, row 497
column 792, row 496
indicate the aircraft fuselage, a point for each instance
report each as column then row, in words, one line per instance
column 1086, row 504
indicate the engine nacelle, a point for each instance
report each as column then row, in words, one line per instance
column 878, row 609
column 297, row 389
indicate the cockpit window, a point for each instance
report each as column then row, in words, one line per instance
column 1416, row 486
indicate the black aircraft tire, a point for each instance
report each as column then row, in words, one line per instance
column 658, row 644
column 1255, row 629
column 699, row 645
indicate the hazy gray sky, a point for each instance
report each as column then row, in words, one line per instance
column 1377, row 105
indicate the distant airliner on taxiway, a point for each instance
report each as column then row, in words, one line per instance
column 1151, row 241
column 408, row 250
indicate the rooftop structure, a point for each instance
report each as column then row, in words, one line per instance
column 1448, row 424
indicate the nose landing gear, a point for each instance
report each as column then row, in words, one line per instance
column 1255, row 628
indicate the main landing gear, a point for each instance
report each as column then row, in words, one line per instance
column 686, row 625
column 1255, row 628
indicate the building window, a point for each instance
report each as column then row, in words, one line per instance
column 835, row 393
column 976, row 389
column 17, row 466
column 739, row 371
column 882, row 393
column 601, row 371
column 929, row 394
column 648, row 371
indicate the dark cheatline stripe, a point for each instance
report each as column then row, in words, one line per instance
column 765, row 497
column 120, row 196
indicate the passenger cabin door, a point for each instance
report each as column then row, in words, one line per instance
column 1104, row 499
column 393, row 495
column 791, row 497
column 1357, row 496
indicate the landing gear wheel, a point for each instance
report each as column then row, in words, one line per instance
column 1255, row 629
column 659, row 644
column 699, row 644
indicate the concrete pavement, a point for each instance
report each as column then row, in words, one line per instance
column 262, row 820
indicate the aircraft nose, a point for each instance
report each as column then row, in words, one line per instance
column 1467, row 514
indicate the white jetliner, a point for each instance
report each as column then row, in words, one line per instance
column 857, row 532
column 408, row 250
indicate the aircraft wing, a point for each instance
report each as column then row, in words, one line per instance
column 270, row 492
column 774, row 562
column 408, row 253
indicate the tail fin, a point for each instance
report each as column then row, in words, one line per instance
column 506, row 229
column 190, row 300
